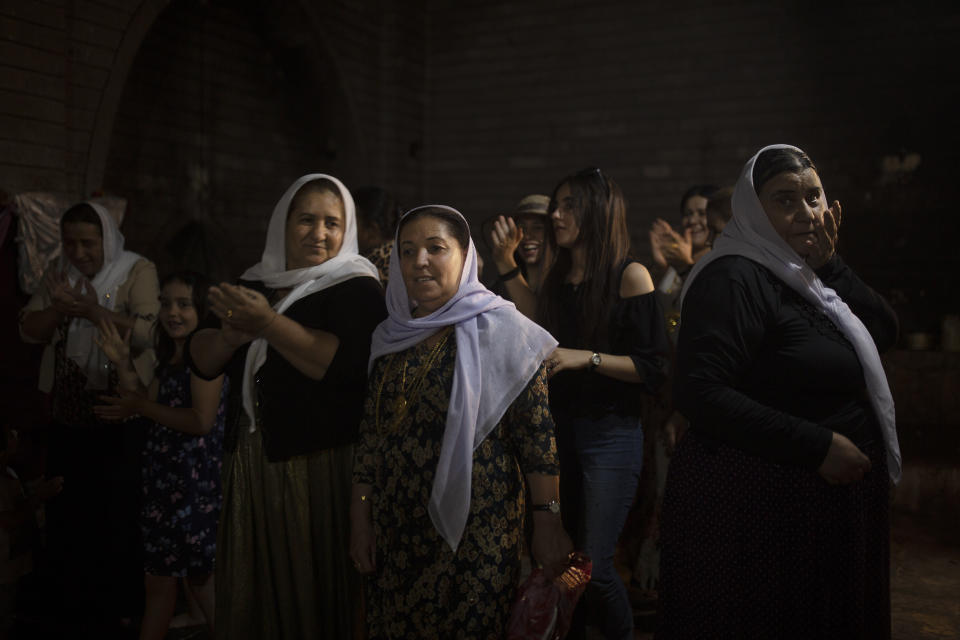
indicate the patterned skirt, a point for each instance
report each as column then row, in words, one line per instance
column 752, row 549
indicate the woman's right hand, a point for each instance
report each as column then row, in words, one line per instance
column 844, row 463
column 505, row 238
column 363, row 543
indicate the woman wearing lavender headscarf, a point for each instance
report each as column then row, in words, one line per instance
column 775, row 517
column 456, row 411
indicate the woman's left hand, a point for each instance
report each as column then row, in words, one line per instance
column 563, row 359
column 827, row 229
column 116, row 409
column 551, row 546
column 243, row 308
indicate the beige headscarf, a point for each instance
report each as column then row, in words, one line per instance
column 116, row 268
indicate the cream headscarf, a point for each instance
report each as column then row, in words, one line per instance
column 116, row 267
column 751, row 235
column 498, row 352
column 272, row 271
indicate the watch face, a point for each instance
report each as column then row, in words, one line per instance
column 554, row 506
column 595, row 359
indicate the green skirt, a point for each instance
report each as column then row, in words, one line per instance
column 283, row 567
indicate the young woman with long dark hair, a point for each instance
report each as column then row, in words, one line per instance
column 600, row 305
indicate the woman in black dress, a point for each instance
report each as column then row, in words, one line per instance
column 775, row 518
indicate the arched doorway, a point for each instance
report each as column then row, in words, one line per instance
column 224, row 105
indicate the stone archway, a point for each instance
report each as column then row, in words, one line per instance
column 223, row 105
column 144, row 17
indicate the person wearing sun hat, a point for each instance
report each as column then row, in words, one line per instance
column 527, row 257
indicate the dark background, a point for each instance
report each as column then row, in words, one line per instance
column 202, row 112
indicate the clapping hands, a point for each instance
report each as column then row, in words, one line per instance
column 113, row 345
column 245, row 313
column 78, row 300
column 505, row 238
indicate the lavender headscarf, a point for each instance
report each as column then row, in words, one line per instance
column 498, row 351
column 751, row 235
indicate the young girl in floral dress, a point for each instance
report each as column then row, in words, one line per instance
column 182, row 454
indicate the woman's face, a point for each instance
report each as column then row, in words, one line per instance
column 83, row 246
column 532, row 246
column 178, row 315
column 431, row 261
column 792, row 201
column 694, row 217
column 315, row 229
column 566, row 225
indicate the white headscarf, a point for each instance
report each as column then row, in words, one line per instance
column 751, row 235
column 498, row 351
column 116, row 267
column 272, row 271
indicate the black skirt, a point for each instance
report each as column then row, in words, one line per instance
column 752, row 549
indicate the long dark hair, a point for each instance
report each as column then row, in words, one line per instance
column 165, row 347
column 601, row 212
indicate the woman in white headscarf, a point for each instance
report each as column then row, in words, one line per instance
column 93, row 279
column 296, row 333
column 455, row 413
column 775, row 519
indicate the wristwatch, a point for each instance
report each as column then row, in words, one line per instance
column 594, row 361
column 553, row 507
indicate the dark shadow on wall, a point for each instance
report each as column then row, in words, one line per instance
column 225, row 105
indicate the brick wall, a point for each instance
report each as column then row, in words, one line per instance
column 206, row 111
column 664, row 96
column 228, row 103
column 477, row 103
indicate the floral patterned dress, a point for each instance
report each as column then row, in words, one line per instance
column 181, row 487
column 421, row 588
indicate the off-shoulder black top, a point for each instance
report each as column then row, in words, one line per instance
column 637, row 330
column 761, row 369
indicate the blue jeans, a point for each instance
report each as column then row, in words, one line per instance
column 600, row 460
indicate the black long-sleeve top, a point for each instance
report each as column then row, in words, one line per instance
column 761, row 369
column 300, row 415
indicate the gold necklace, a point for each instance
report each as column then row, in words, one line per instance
column 407, row 396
